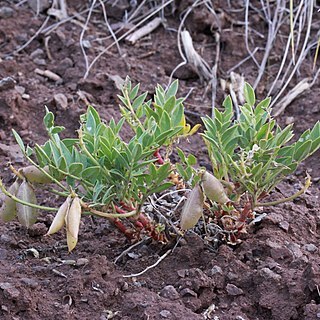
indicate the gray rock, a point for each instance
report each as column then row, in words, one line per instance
column 3, row 254
column 169, row 292
column 7, row 83
column 187, row 292
column 33, row 284
column 165, row 313
column 40, row 62
column 233, row 290
column 215, row 270
column 6, row 12
column 9, row 291
column 38, row 53
column 310, row 247
column 39, row 6
column 269, row 274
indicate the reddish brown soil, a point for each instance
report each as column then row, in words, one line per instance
column 273, row 274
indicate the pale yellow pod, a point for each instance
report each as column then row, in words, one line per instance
column 27, row 216
column 8, row 210
column 34, row 175
column 72, row 219
column 71, row 241
column 214, row 189
column 59, row 219
column 193, row 208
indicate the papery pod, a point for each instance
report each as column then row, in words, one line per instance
column 59, row 219
column 72, row 219
column 34, row 175
column 8, row 210
column 27, row 216
column 192, row 210
column 213, row 188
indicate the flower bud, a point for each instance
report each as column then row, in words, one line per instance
column 34, row 175
column 192, row 210
column 8, row 210
column 27, row 216
column 59, row 219
column 213, row 188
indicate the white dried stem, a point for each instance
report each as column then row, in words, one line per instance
column 301, row 87
column 193, row 57
column 143, row 31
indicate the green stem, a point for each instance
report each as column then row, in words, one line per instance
column 13, row 197
column 297, row 194
column 108, row 215
column 86, row 151
column 126, row 94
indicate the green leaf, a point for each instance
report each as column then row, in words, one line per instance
column 92, row 173
column 48, row 119
column 134, row 92
column 249, row 94
column 191, row 160
column 161, row 187
column 19, row 140
column 75, row 169
column 139, row 101
column 57, row 129
column 29, row 151
column 302, row 152
column 173, row 89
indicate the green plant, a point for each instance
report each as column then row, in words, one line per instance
column 101, row 173
column 250, row 156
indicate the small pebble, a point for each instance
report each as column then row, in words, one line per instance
column 169, row 292
column 165, row 313
column 310, row 247
column 82, row 262
column 6, row 12
column 233, row 290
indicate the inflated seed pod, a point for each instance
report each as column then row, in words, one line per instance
column 192, row 210
column 34, row 175
column 59, row 219
column 27, row 216
column 213, row 188
column 8, row 210
column 72, row 219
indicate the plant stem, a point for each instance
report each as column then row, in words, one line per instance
column 13, row 197
column 297, row 194
column 108, row 215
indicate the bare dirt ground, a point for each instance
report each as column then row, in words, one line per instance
column 274, row 274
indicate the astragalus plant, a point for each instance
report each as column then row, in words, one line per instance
column 250, row 156
column 99, row 172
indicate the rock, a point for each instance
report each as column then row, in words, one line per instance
column 187, row 292
column 215, row 270
column 6, row 12
column 295, row 249
column 33, row 284
column 268, row 274
column 233, row 290
column 82, row 262
column 21, row 90
column 9, row 291
column 39, row 6
column 37, row 230
column 3, row 254
column 284, row 225
column 7, row 83
column 61, row 101
column 39, row 61
column 310, row 247
column 169, row 292
column 165, row 313
column 38, row 53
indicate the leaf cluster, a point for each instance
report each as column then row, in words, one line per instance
column 253, row 151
